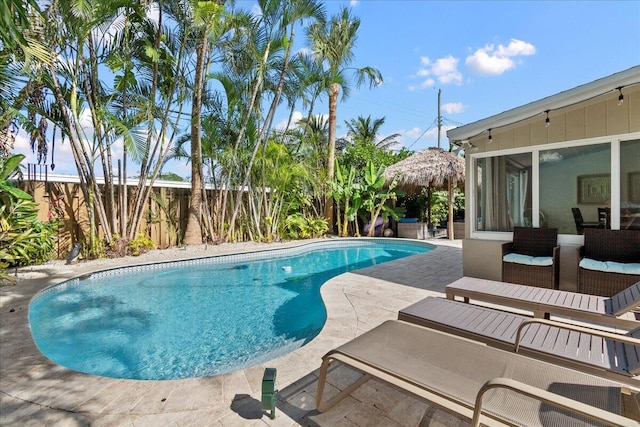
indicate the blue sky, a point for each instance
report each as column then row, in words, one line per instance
column 486, row 57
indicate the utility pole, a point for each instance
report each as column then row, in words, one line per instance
column 439, row 117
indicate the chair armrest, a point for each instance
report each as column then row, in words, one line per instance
column 549, row 398
column 556, row 254
column 506, row 248
column 580, row 251
column 576, row 328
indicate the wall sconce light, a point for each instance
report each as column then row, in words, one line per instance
column 621, row 96
column 547, row 122
column 490, row 137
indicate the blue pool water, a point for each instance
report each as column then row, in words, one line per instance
column 200, row 317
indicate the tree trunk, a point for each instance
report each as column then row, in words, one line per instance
column 252, row 104
column 193, row 233
column 333, row 107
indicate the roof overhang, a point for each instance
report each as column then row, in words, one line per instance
column 563, row 99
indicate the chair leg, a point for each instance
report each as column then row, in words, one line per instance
column 321, row 407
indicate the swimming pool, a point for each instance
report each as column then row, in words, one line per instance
column 200, row 317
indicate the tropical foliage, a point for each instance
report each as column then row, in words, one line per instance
column 24, row 240
column 376, row 196
column 130, row 85
column 416, row 205
column 332, row 43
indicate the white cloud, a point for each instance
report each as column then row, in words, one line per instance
column 453, row 107
column 62, row 156
column 411, row 133
column 446, row 69
column 354, row 3
column 443, row 70
column 491, row 60
column 295, row 118
column 516, row 48
column 427, row 83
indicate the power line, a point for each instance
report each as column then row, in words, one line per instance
column 433, row 124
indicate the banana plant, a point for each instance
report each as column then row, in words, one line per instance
column 375, row 195
column 344, row 188
column 352, row 212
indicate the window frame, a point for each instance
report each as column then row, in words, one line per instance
column 614, row 143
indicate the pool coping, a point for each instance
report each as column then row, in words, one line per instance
column 33, row 388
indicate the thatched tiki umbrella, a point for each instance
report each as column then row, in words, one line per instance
column 434, row 169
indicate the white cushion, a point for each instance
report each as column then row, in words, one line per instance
column 631, row 268
column 541, row 261
column 592, row 264
column 610, row 266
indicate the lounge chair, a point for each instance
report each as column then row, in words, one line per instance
column 491, row 386
column 595, row 351
column 615, row 310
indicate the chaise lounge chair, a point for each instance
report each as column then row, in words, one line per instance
column 595, row 351
column 615, row 310
column 491, row 386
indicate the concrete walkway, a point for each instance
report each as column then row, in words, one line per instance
column 37, row 392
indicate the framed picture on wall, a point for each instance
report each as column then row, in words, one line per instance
column 594, row 189
column 634, row 187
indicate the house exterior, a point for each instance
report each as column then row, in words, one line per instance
column 545, row 164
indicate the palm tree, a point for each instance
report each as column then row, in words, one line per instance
column 364, row 130
column 206, row 13
column 332, row 43
column 143, row 107
column 269, row 43
column 71, row 33
column 288, row 13
column 160, row 55
column 20, row 25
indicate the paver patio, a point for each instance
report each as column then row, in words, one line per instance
column 35, row 391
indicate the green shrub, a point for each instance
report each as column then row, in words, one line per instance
column 24, row 240
column 298, row 226
column 141, row 244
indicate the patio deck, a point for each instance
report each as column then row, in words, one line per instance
column 35, row 391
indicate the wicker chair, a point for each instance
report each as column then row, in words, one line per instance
column 533, row 242
column 621, row 246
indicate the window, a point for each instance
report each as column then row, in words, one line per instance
column 503, row 192
column 630, row 184
column 575, row 185
column 569, row 186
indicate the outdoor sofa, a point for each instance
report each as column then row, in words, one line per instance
column 609, row 261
